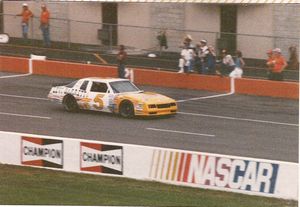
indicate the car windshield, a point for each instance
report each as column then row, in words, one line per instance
column 123, row 87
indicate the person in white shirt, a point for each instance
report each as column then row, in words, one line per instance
column 239, row 64
column 185, row 61
column 203, row 53
column 227, row 64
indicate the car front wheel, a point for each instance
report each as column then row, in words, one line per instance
column 127, row 109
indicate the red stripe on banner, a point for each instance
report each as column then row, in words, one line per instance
column 92, row 169
column 180, row 169
column 92, row 145
column 33, row 162
column 33, row 140
column 187, row 167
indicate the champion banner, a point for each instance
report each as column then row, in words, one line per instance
column 101, row 158
column 42, row 152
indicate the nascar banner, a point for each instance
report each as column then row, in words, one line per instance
column 214, row 171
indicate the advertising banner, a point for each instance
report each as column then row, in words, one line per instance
column 214, row 171
column 101, row 158
column 41, row 152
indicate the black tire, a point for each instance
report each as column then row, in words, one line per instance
column 126, row 109
column 70, row 103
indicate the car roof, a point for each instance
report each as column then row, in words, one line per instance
column 105, row 79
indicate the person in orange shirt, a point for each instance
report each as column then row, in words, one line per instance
column 277, row 64
column 269, row 62
column 44, row 25
column 26, row 15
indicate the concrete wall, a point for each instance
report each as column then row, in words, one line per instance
column 203, row 17
column 255, row 19
column 134, row 14
column 169, row 17
column 84, row 32
column 286, row 20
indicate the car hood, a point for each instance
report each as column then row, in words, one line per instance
column 148, row 97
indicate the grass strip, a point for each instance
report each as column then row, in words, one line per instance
column 34, row 186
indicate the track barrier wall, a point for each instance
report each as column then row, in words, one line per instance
column 195, row 169
column 175, row 80
column 14, row 64
column 157, row 78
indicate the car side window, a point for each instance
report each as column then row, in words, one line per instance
column 99, row 87
column 84, row 85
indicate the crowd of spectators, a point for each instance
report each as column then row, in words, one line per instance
column 202, row 58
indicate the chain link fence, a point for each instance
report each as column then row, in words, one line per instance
column 104, row 38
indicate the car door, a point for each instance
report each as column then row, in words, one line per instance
column 99, row 95
column 82, row 95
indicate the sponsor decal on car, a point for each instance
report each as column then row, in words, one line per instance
column 214, row 171
column 42, row 152
column 101, row 158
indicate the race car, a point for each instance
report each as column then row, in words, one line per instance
column 112, row 95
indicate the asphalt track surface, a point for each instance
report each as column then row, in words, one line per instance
column 240, row 125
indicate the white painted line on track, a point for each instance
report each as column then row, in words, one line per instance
column 15, row 76
column 239, row 119
column 25, row 115
column 25, row 97
column 205, row 97
column 232, row 91
column 181, row 132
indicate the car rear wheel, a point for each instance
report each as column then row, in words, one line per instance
column 70, row 103
column 126, row 109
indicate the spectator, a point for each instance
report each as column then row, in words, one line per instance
column 203, row 52
column 197, row 60
column 44, row 26
column 227, row 63
column 277, row 64
column 269, row 62
column 121, row 58
column 211, row 60
column 293, row 60
column 239, row 64
column 26, row 15
column 162, row 40
column 187, row 40
column 185, row 61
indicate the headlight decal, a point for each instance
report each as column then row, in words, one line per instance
column 139, row 106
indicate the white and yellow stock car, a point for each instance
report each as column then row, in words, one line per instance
column 112, row 95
